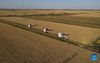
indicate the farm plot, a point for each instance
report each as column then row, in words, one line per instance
column 93, row 22
column 30, row 12
column 84, row 35
column 20, row 46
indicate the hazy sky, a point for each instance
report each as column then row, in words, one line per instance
column 50, row 4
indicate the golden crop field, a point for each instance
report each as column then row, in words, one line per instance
column 81, row 34
column 31, row 12
column 28, row 12
column 20, row 46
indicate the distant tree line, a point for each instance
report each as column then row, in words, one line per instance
column 49, row 14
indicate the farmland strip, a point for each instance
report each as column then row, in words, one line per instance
column 51, row 35
column 35, row 30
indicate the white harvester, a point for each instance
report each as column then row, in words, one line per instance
column 47, row 30
column 29, row 26
column 63, row 35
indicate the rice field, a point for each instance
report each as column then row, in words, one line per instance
column 93, row 22
column 19, row 44
column 23, row 46
column 80, row 34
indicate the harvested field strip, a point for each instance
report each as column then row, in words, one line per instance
column 18, row 46
column 26, row 46
column 54, row 36
column 80, row 34
column 35, row 30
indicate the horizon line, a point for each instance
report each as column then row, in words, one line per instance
column 42, row 9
